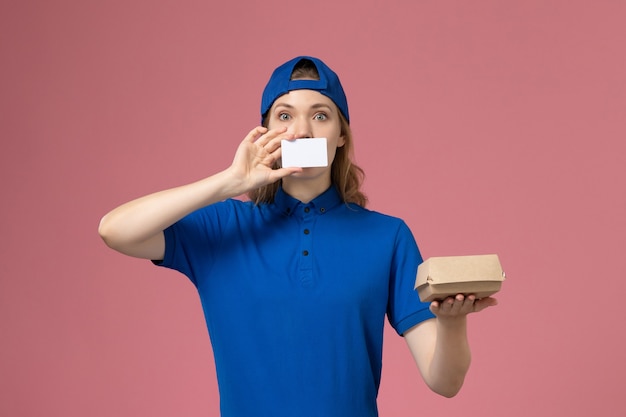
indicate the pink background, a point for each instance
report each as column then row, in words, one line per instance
column 489, row 126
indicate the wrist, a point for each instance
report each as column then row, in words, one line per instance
column 453, row 323
column 230, row 184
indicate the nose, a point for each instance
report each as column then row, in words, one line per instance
column 302, row 128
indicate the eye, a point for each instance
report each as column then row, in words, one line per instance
column 283, row 117
column 320, row 116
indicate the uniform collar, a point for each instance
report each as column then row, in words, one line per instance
column 286, row 204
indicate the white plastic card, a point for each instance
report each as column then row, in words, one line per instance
column 304, row 153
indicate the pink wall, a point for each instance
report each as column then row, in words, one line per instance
column 489, row 126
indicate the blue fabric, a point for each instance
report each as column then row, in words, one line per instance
column 281, row 83
column 295, row 297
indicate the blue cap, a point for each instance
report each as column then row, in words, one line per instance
column 280, row 83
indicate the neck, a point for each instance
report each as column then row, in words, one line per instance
column 305, row 190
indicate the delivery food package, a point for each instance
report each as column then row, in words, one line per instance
column 445, row 276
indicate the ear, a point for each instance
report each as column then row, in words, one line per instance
column 341, row 141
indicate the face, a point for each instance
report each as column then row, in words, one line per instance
column 309, row 114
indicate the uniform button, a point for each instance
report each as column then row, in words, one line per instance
column 323, row 210
column 306, row 231
column 305, row 252
column 306, row 209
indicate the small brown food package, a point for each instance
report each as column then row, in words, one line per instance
column 445, row 276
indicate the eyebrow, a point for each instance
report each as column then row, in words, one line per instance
column 314, row 106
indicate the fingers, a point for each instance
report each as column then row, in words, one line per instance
column 284, row 172
column 450, row 306
column 460, row 305
column 268, row 141
column 255, row 134
column 263, row 136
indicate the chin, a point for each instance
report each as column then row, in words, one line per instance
column 311, row 172
column 317, row 173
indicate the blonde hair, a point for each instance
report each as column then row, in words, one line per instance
column 344, row 174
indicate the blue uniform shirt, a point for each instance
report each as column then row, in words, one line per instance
column 295, row 297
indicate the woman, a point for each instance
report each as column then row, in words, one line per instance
column 295, row 284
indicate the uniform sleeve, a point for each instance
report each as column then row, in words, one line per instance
column 405, row 309
column 191, row 243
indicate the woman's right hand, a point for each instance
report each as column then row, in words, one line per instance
column 254, row 164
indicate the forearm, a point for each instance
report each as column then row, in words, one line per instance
column 139, row 220
column 451, row 356
column 440, row 346
column 136, row 228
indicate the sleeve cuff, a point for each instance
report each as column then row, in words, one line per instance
column 412, row 320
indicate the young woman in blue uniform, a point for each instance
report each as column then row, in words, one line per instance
column 295, row 283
